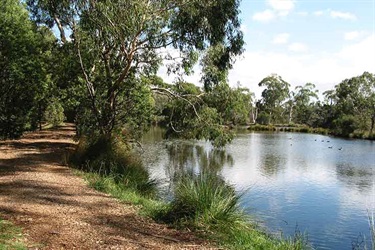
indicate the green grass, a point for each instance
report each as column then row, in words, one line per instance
column 10, row 236
column 204, row 204
column 207, row 204
column 109, row 184
column 113, row 159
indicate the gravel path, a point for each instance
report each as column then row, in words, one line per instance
column 57, row 210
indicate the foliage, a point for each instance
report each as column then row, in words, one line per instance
column 206, row 203
column 275, row 93
column 23, row 73
column 232, row 104
column 190, row 117
column 54, row 113
column 114, row 57
column 112, row 158
column 303, row 107
column 204, row 200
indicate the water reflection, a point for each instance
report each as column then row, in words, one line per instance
column 293, row 179
column 186, row 157
column 354, row 177
column 271, row 165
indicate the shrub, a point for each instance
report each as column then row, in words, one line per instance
column 204, row 201
column 113, row 158
column 54, row 113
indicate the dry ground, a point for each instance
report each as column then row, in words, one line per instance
column 57, row 210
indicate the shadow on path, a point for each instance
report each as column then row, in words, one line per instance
column 58, row 211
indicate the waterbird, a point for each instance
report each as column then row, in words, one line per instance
column 330, row 147
column 340, row 148
column 328, row 141
column 322, row 140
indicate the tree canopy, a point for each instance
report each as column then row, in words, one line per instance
column 119, row 42
column 95, row 63
column 24, row 61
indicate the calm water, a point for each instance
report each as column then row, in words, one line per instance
column 291, row 180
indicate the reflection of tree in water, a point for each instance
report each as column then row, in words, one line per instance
column 357, row 177
column 184, row 157
column 271, row 164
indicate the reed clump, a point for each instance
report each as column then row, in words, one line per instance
column 205, row 203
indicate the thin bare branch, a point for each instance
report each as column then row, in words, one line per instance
column 160, row 90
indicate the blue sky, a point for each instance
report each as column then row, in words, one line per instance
column 317, row 41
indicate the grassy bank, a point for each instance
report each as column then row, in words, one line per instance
column 203, row 207
column 287, row 128
column 10, row 236
column 203, row 203
column 306, row 129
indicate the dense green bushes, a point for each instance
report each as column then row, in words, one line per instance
column 54, row 113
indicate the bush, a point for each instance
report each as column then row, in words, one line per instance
column 258, row 127
column 204, row 201
column 113, row 158
column 54, row 113
column 344, row 125
column 263, row 118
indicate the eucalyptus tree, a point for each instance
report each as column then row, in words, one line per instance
column 355, row 105
column 273, row 96
column 119, row 42
column 304, row 107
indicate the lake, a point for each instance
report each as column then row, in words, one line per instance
column 317, row 184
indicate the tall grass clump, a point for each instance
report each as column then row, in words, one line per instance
column 205, row 203
column 10, row 236
column 114, row 159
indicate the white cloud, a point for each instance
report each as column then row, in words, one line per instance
column 281, row 38
column 336, row 14
column 303, row 13
column 360, row 55
column 354, row 35
column 282, row 6
column 342, row 15
column 325, row 70
column 264, row 16
column 319, row 13
column 297, row 47
column 351, row 35
column 279, row 8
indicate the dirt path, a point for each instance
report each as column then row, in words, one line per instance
column 58, row 211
